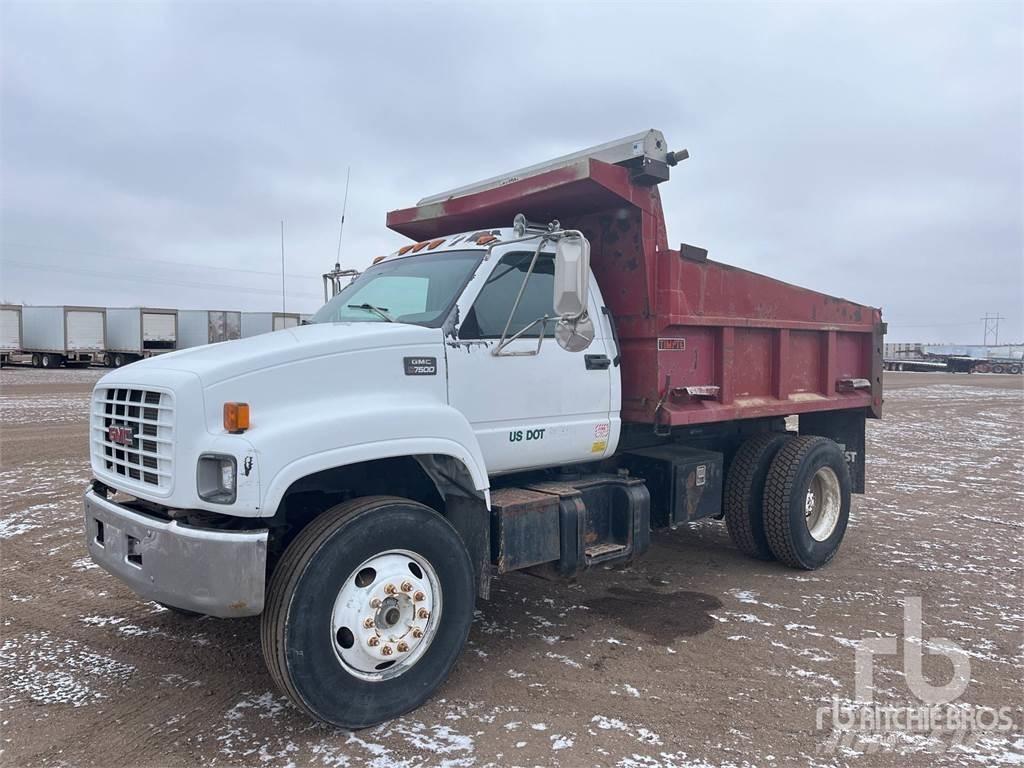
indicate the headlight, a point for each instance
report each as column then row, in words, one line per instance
column 215, row 478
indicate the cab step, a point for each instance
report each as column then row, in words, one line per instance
column 562, row 527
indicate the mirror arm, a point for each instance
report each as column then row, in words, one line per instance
column 499, row 351
column 504, row 341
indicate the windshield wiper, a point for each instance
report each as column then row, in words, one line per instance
column 379, row 311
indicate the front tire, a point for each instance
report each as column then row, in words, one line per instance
column 807, row 502
column 368, row 610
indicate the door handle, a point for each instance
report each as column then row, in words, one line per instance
column 597, row 362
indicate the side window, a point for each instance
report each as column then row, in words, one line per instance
column 487, row 318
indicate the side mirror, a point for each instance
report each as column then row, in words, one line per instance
column 572, row 276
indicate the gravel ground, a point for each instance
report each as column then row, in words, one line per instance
column 694, row 656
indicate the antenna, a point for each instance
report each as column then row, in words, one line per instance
column 282, row 266
column 341, row 229
column 332, row 279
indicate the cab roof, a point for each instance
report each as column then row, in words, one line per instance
column 462, row 241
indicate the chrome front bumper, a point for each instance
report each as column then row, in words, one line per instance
column 216, row 572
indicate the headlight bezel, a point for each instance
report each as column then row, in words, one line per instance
column 210, row 478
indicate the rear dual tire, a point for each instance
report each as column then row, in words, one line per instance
column 788, row 498
column 354, row 581
column 744, row 493
column 807, row 502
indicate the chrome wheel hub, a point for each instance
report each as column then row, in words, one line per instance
column 386, row 615
column 823, row 504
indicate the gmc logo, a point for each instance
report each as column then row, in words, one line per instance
column 120, row 434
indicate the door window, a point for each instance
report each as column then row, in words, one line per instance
column 490, row 311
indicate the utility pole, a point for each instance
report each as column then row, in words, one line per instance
column 282, row 267
column 992, row 326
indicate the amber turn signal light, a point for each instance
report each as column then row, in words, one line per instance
column 236, row 417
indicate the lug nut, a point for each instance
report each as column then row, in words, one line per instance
column 406, row 586
column 417, row 633
column 419, row 597
column 375, row 603
column 373, row 641
column 390, row 589
column 368, row 623
column 423, row 613
column 402, row 647
column 386, row 650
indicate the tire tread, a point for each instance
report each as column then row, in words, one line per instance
column 778, row 495
column 739, row 487
column 289, row 570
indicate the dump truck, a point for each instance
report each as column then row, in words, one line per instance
column 135, row 333
column 533, row 384
column 55, row 336
column 197, row 327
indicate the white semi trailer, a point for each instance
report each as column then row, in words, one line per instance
column 10, row 331
column 255, row 323
column 137, row 332
column 197, row 327
column 54, row 336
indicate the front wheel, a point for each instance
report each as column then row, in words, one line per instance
column 368, row 610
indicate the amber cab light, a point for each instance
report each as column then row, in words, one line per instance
column 236, row 417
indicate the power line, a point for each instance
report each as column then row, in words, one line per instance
column 992, row 325
column 163, row 281
column 168, row 262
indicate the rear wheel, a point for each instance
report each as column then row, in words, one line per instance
column 37, row 361
column 744, row 493
column 368, row 610
column 807, row 502
column 1015, row 369
column 119, row 360
column 50, row 361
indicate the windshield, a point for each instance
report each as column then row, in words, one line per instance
column 419, row 290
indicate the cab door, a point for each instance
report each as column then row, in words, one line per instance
column 532, row 408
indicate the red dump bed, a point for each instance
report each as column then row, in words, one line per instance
column 701, row 341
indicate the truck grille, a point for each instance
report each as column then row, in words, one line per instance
column 143, row 453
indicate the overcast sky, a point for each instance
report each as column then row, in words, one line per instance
column 149, row 151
